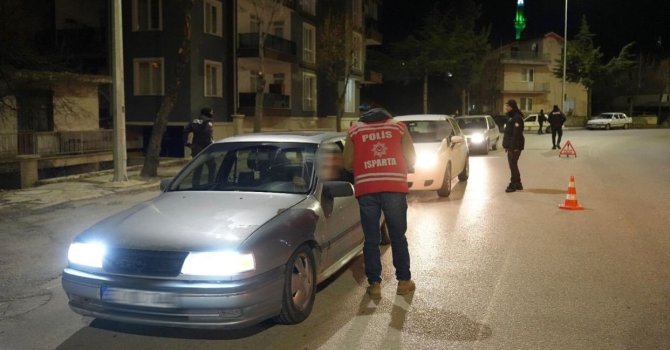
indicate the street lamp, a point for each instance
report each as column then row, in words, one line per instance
column 565, row 54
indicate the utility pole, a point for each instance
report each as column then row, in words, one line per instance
column 565, row 55
column 119, row 108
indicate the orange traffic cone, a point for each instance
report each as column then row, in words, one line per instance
column 571, row 198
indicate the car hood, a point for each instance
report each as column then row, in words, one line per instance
column 191, row 221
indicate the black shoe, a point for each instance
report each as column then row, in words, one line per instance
column 553, row 147
column 510, row 188
column 519, row 186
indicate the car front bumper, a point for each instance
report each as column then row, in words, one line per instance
column 426, row 179
column 175, row 303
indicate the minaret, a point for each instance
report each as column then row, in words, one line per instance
column 519, row 20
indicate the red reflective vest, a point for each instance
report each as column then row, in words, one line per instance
column 379, row 164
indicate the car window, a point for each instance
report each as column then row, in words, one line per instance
column 606, row 116
column 252, row 167
column 472, row 123
column 330, row 162
column 428, row 130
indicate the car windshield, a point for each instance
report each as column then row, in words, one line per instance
column 428, row 130
column 250, row 166
column 472, row 123
column 605, row 116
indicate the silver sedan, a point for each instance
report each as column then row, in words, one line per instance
column 243, row 233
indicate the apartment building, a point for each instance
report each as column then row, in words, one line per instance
column 523, row 71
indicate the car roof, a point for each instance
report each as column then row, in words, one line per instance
column 473, row 116
column 418, row 117
column 286, row 136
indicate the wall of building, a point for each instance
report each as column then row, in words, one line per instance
column 75, row 107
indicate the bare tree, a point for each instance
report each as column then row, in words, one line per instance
column 265, row 11
column 336, row 58
column 152, row 159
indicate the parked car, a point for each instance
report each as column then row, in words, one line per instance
column 480, row 131
column 243, row 233
column 610, row 120
column 441, row 152
column 530, row 123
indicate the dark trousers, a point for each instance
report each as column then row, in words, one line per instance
column 554, row 132
column 513, row 160
column 394, row 207
column 540, row 130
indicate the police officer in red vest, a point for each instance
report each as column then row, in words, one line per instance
column 380, row 152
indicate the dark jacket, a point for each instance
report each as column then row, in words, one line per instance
column 556, row 119
column 513, row 137
column 203, row 131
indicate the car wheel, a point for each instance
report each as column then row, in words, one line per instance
column 625, row 126
column 299, row 287
column 607, row 127
column 465, row 174
column 548, row 130
column 384, row 229
column 495, row 145
column 445, row 190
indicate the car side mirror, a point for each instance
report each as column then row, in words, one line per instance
column 165, row 184
column 457, row 139
column 334, row 189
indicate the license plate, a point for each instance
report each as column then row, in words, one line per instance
column 138, row 297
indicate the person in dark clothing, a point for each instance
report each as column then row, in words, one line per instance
column 556, row 120
column 541, row 118
column 513, row 143
column 202, row 129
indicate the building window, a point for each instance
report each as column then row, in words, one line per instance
column 350, row 97
column 308, row 92
column 357, row 46
column 213, row 18
column 527, row 75
column 526, row 104
column 148, row 74
column 308, row 6
column 147, row 15
column 213, row 79
column 308, row 43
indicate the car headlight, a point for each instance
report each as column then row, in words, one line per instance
column 477, row 138
column 87, row 254
column 217, row 263
column 426, row 160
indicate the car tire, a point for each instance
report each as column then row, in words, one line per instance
column 495, row 145
column 445, row 190
column 299, row 287
column 607, row 127
column 384, row 230
column 465, row 173
column 548, row 130
column 625, row 126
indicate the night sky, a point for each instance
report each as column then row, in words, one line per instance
column 615, row 22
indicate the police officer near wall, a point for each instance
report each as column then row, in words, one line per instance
column 380, row 152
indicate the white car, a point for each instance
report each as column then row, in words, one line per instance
column 441, row 152
column 530, row 123
column 480, row 131
column 610, row 120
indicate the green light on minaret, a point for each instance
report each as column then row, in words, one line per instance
column 519, row 20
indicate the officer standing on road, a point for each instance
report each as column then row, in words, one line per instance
column 380, row 152
column 202, row 129
column 513, row 143
column 540, row 120
column 556, row 120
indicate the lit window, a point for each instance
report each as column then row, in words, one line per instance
column 213, row 79
column 213, row 18
column 350, row 97
column 308, row 43
column 148, row 76
column 309, row 92
column 147, row 15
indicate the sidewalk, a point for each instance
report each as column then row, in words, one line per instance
column 56, row 191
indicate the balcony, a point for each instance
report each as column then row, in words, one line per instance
column 273, row 104
column 48, row 144
column 525, row 57
column 275, row 47
column 525, row 87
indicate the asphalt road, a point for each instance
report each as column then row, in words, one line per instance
column 494, row 270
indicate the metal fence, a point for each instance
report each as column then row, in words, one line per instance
column 55, row 143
